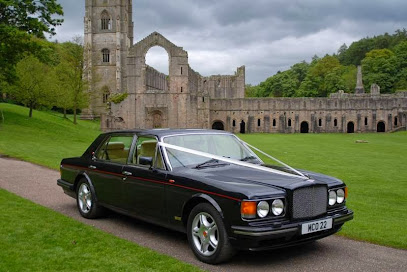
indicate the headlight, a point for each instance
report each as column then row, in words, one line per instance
column 263, row 209
column 332, row 198
column 277, row 207
column 340, row 196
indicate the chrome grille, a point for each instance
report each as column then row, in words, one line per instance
column 309, row 202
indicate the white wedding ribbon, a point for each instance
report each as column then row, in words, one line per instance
column 228, row 160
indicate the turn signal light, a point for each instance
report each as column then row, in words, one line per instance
column 248, row 209
column 346, row 192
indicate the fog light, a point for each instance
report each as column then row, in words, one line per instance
column 277, row 207
column 263, row 209
column 332, row 198
column 340, row 196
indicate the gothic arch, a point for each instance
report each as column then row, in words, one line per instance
column 218, row 125
column 105, row 20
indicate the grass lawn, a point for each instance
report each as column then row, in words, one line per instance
column 45, row 138
column 34, row 238
column 375, row 172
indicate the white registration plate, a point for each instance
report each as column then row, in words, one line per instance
column 315, row 226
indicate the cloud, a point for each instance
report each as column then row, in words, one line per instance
column 265, row 35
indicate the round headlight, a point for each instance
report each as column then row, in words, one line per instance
column 340, row 196
column 277, row 207
column 332, row 198
column 263, row 209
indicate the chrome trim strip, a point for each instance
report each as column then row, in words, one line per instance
column 265, row 233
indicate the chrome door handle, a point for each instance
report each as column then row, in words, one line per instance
column 92, row 167
column 127, row 173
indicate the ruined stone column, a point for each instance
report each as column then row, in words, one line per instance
column 359, row 82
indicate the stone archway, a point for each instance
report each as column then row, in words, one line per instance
column 218, row 125
column 304, row 127
column 381, row 127
column 351, row 128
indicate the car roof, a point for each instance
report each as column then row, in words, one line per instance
column 168, row 132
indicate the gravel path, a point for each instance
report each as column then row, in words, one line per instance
column 38, row 184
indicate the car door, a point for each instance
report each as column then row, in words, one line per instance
column 146, row 180
column 105, row 169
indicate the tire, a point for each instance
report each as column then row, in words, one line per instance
column 207, row 235
column 86, row 201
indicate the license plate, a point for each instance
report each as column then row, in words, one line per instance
column 315, row 226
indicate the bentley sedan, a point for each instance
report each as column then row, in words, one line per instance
column 210, row 185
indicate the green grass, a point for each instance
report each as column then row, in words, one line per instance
column 45, row 138
column 375, row 172
column 34, row 238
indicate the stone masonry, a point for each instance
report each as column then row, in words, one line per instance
column 185, row 99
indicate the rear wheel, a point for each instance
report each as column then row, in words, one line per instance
column 207, row 235
column 85, row 200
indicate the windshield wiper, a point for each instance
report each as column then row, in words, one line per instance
column 248, row 158
column 209, row 163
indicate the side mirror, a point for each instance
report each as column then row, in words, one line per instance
column 146, row 161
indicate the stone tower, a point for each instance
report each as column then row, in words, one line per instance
column 108, row 37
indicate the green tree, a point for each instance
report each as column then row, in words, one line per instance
column 321, row 77
column 380, row 67
column 32, row 88
column 70, row 76
column 22, row 27
column 31, row 16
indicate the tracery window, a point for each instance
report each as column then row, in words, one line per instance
column 106, row 23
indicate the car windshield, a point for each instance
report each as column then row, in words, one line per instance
column 223, row 145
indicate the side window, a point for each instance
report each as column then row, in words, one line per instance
column 147, row 147
column 115, row 149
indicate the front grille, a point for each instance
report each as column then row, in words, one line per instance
column 309, row 202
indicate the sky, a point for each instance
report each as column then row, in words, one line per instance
column 266, row 36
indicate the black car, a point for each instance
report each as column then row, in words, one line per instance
column 209, row 184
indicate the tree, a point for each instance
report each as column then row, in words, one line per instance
column 320, row 72
column 70, row 76
column 380, row 67
column 32, row 88
column 31, row 16
column 22, row 27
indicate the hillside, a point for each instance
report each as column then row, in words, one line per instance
column 47, row 133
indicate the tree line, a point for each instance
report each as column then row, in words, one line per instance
column 35, row 72
column 383, row 59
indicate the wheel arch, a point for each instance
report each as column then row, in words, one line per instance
column 195, row 200
column 85, row 176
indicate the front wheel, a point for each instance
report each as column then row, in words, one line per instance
column 207, row 235
column 86, row 202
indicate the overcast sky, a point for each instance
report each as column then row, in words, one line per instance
column 264, row 35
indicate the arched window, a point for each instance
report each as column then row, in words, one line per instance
column 335, row 122
column 234, row 123
column 274, row 122
column 289, row 122
column 106, row 23
column 320, row 122
column 258, row 122
column 105, row 55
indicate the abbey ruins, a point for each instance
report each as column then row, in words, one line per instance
column 146, row 98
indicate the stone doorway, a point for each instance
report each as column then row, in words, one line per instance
column 351, row 127
column 242, row 127
column 218, row 125
column 381, row 127
column 304, row 127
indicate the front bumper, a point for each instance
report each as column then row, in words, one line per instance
column 283, row 234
